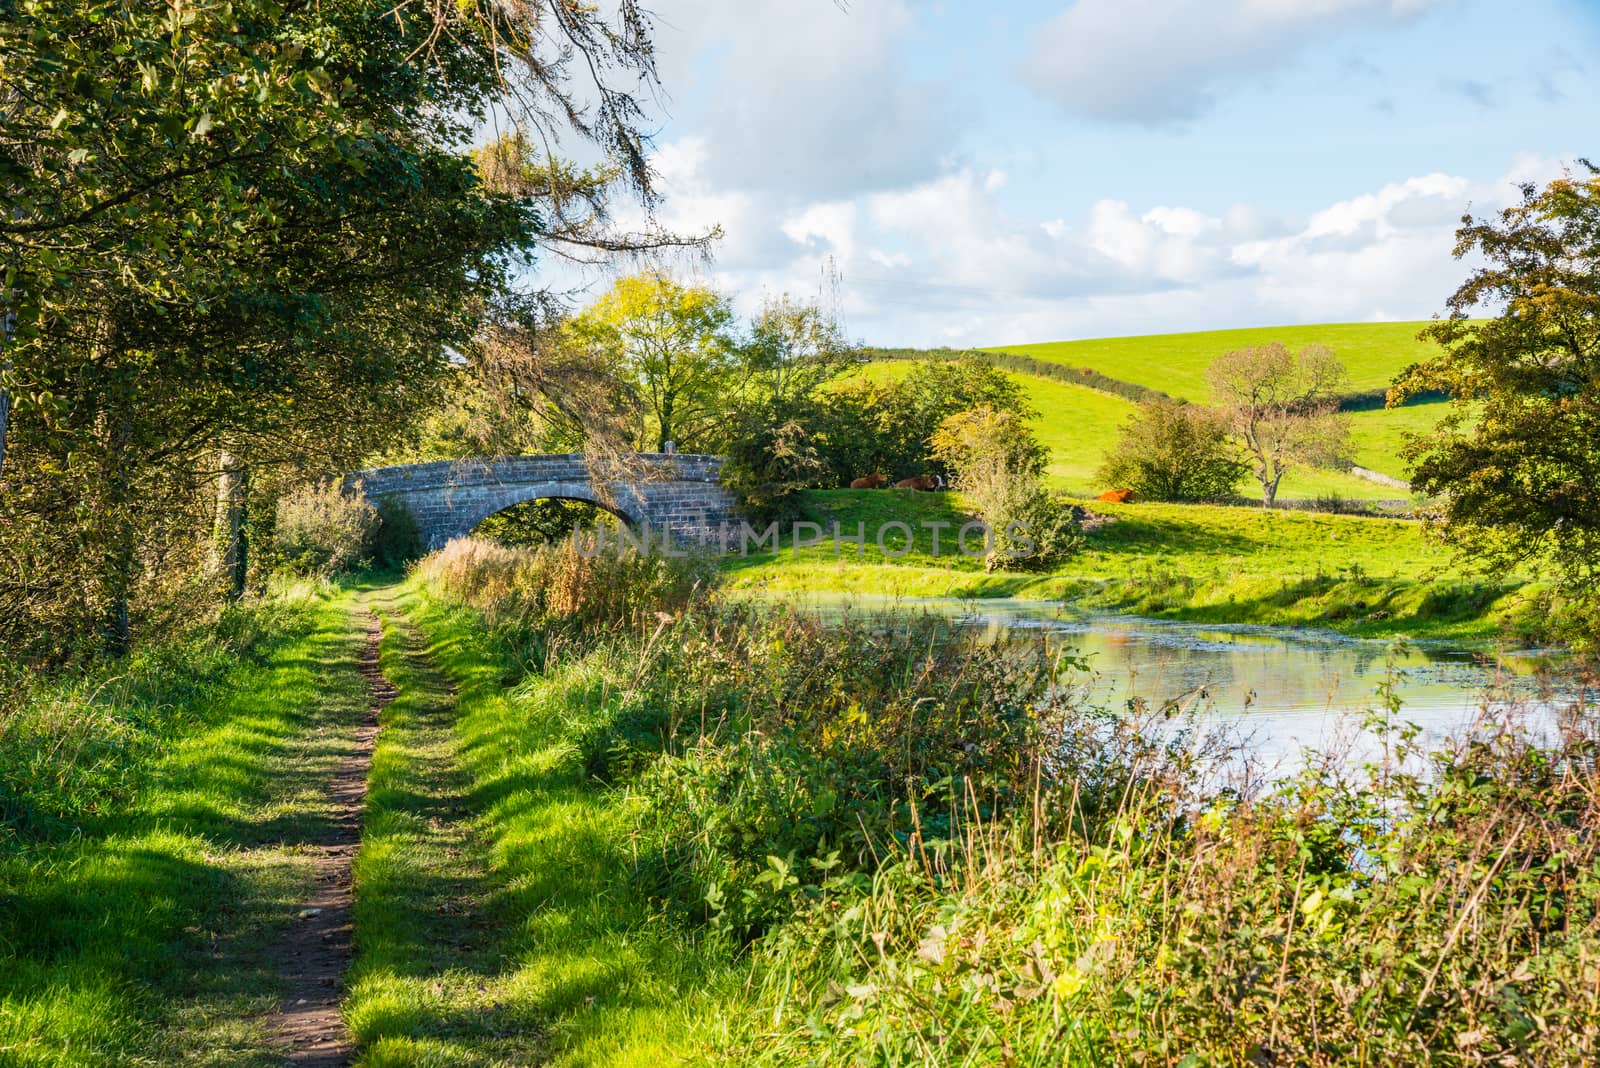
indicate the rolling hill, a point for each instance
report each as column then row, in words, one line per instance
column 1077, row 423
column 1176, row 363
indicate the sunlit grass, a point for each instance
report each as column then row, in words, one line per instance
column 1198, row 562
column 1176, row 364
column 135, row 934
column 562, row 960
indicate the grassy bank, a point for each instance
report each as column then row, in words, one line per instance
column 151, row 816
column 1370, row 577
column 498, row 916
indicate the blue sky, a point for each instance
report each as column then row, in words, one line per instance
column 996, row 173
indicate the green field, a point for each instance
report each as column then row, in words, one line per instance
column 1077, row 424
column 1176, row 363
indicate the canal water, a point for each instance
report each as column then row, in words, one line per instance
column 1280, row 690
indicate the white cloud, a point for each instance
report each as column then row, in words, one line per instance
column 803, row 97
column 833, row 222
column 1160, row 62
column 946, row 263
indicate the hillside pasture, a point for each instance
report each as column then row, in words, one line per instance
column 1176, row 363
column 1078, row 424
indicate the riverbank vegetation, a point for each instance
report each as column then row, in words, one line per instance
column 884, row 842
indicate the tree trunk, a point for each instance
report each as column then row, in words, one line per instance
column 1269, row 490
column 231, row 537
column 5, row 422
column 118, row 562
column 666, row 426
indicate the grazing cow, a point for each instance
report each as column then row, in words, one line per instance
column 925, row 483
column 870, row 482
column 1117, row 496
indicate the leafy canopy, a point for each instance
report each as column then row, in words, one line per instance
column 1518, row 458
column 673, row 344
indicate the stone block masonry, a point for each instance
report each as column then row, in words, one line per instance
column 680, row 493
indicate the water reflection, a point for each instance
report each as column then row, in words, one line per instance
column 1283, row 688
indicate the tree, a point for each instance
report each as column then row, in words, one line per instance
column 997, row 464
column 1282, row 406
column 1518, row 457
column 1170, row 451
column 247, row 228
column 671, row 342
column 795, row 347
column 772, row 457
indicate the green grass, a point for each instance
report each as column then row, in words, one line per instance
column 427, row 985
column 561, row 948
column 133, row 931
column 1380, row 435
column 1078, row 424
column 1176, row 363
column 1196, row 562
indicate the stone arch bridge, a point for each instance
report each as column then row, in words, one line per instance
column 679, row 493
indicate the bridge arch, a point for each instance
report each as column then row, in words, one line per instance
column 493, row 504
column 677, row 493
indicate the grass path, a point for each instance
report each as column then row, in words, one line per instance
column 491, row 915
column 313, row 954
column 145, row 937
column 428, row 984
column 496, row 922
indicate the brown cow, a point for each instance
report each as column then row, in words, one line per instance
column 925, row 483
column 870, row 482
column 1117, row 496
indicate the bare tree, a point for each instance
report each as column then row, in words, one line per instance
column 1283, row 407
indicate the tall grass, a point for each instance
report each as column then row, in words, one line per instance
column 551, row 584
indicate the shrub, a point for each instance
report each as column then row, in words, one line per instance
column 1175, row 452
column 322, row 530
column 772, row 459
column 997, row 464
column 556, row 584
column 774, row 752
column 1448, row 914
column 1049, row 531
